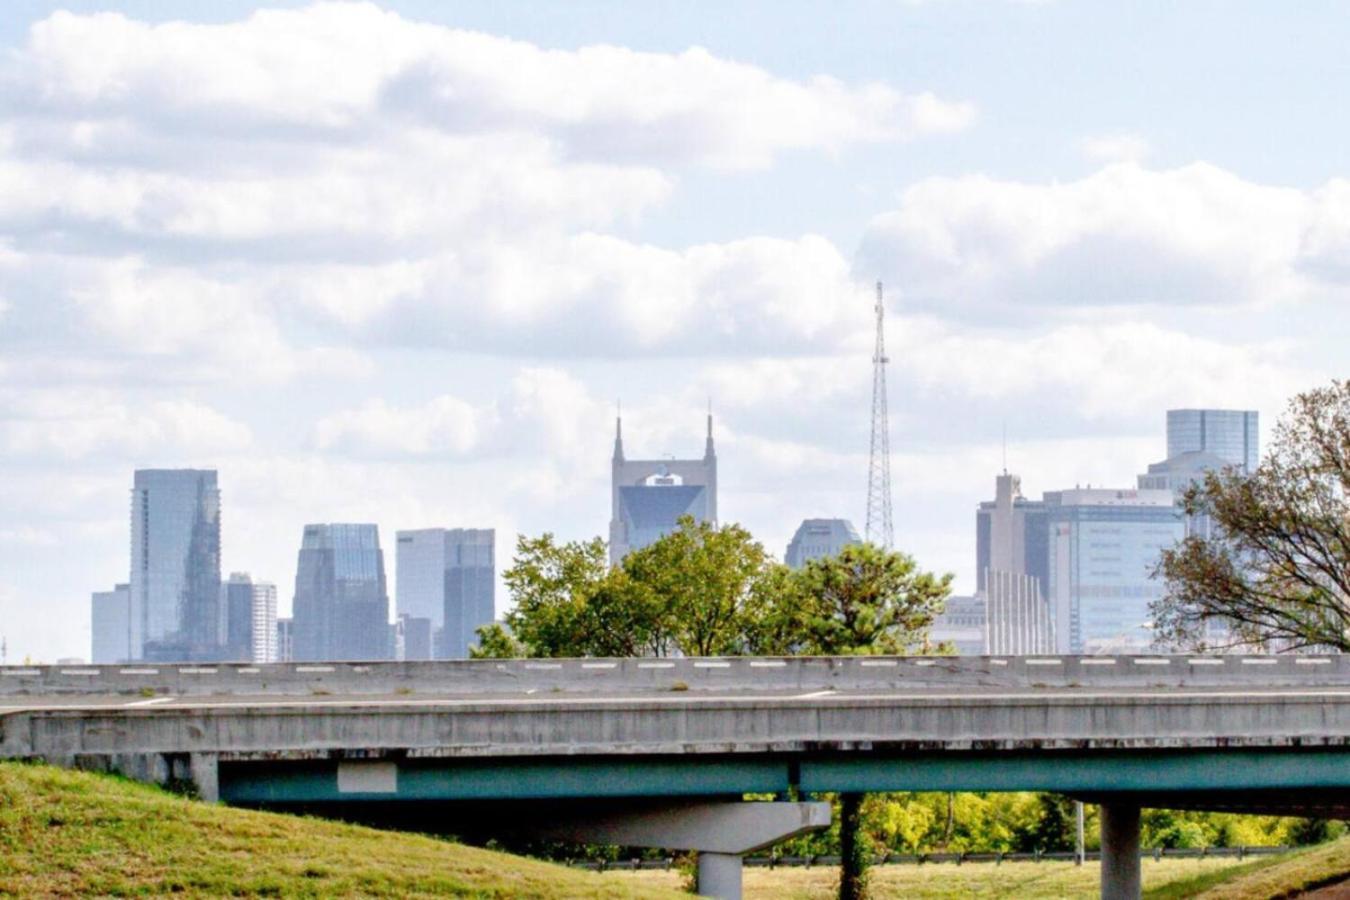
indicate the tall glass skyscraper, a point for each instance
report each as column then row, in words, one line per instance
column 1230, row 434
column 341, row 600
column 448, row 576
column 175, row 564
column 470, row 588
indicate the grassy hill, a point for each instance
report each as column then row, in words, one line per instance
column 75, row 834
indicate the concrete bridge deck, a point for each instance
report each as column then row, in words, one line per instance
column 1243, row 733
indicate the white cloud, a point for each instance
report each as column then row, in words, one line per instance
column 1113, row 148
column 75, row 424
column 1124, row 236
column 444, row 426
column 336, row 67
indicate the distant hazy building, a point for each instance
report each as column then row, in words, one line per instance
column 820, row 538
column 341, row 599
column 175, row 564
column 1011, row 534
column 448, row 577
column 412, row 638
column 285, row 640
column 110, row 625
column 1017, row 618
column 264, row 618
column 1103, row 545
column 470, row 588
column 236, row 618
column 961, row 624
column 419, row 570
column 648, row 496
column 1229, row 434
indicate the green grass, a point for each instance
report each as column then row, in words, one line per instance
column 1262, row 879
column 68, row 834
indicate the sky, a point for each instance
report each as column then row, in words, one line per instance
column 400, row 263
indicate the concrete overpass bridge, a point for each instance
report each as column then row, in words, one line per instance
column 658, row 752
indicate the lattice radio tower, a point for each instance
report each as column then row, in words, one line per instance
column 879, row 529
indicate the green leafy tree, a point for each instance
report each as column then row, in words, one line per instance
column 1277, row 571
column 868, row 600
column 699, row 581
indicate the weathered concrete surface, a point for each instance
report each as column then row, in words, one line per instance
column 1121, row 875
column 686, row 722
column 480, row 677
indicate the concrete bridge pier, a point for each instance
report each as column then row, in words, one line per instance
column 722, row 831
column 1121, row 878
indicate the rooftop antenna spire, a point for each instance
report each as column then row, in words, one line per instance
column 879, row 529
column 1005, row 448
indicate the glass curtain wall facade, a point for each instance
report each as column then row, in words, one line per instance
column 341, row 598
column 1103, row 547
column 175, row 564
column 470, row 588
column 236, row 618
column 1229, row 434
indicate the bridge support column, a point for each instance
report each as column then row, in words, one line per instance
column 1120, row 851
column 721, row 831
column 719, row 875
column 204, row 770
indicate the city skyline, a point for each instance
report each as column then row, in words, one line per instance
column 411, row 294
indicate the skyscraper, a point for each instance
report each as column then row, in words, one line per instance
column 648, row 496
column 236, row 615
column 175, row 564
column 110, row 626
column 819, row 538
column 448, row 577
column 1010, row 534
column 1229, row 434
column 470, row 588
column 341, row 600
column 1103, row 545
column 264, row 614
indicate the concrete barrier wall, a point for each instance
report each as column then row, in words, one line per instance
column 748, row 674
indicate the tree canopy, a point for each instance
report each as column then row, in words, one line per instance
column 1275, row 573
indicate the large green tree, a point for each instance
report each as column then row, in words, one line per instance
column 868, row 600
column 699, row 581
column 1276, row 571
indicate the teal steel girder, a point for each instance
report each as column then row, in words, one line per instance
column 1143, row 771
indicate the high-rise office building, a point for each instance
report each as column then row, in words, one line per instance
column 448, row 577
column 236, row 618
column 820, row 538
column 175, row 564
column 1103, row 546
column 264, row 616
column 412, row 638
column 285, row 639
column 1010, row 534
column 419, row 574
column 1229, row 434
column 110, row 626
column 648, row 496
column 341, row 599
column 470, row 588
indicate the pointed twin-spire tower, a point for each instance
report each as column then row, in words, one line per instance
column 879, row 529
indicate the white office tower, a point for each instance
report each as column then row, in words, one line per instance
column 1017, row 617
column 264, row 635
